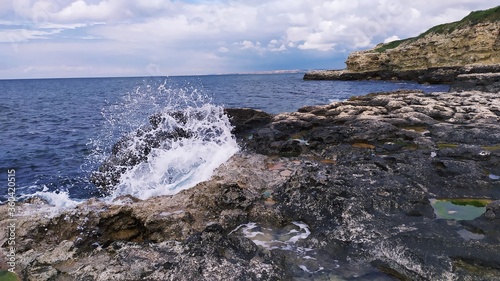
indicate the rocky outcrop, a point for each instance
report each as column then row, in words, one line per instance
column 181, row 237
column 461, row 78
column 165, row 128
column 436, row 56
column 360, row 174
column 135, row 148
column 474, row 44
column 493, row 210
column 486, row 82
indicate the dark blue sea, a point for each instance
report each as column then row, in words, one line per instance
column 55, row 132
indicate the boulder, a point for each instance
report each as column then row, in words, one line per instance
column 485, row 82
column 493, row 210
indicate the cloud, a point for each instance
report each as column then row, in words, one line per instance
column 180, row 36
column 49, row 25
column 81, row 11
column 246, row 45
column 392, row 38
column 23, row 35
column 277, row 45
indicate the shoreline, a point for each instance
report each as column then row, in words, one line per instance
column 460, row 78
column 358, row 175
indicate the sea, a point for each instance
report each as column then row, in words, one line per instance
column 55, row 132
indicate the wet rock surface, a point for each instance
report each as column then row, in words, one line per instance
column 164, row 129
column 135, row 148
column 436, row 75
column 360, row 174
column 461, row 78
column 486, row 82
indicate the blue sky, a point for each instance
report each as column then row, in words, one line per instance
column 95, row 38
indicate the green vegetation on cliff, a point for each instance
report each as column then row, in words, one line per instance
column 391, row 45
column 490, row 15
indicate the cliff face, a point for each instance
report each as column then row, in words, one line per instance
column 474, row 44
column 440, row 55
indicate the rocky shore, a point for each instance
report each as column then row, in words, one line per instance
column 379, row 187
column 461, row 78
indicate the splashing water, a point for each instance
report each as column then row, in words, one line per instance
column 181, row 162
column 290, row 239
column 190, row 138
column 57, row 202
column 270, row 238
column 176, row 163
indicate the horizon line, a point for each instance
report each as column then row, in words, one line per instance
column 265, row 72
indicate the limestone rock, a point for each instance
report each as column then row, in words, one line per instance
column 485, row 82
column 438, row 55
column 470, row 43
column 359, row 174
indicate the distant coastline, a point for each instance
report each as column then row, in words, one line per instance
column 283, row 71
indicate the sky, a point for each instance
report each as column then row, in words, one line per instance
column 110, row 38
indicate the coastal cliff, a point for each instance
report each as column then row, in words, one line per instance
column 439, row 55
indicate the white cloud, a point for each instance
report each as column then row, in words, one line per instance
column 250, row 46
column 311, row 45
column 23, row 35
column 62, row 26
column 223, row 50
column 276, row 46
column 392, row 38
column 204, row 35
column 80, row 10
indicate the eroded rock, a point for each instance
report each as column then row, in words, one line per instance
column 456, row 53
column 493, row 210
column 359, row 174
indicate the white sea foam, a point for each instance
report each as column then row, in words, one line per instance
column 285, row 238
column 180, row 163
column 303, row 233
column 57, row 203
column 60, row 200
column 289, row 238
column 305, row 269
